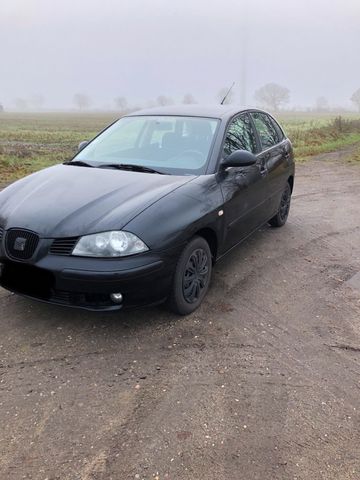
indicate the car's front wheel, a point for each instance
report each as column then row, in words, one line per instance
column 192, row 277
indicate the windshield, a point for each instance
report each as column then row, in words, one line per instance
column 168, row 144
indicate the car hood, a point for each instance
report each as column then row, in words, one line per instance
column 67, row 200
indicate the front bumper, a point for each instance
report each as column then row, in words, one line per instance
column 88, row 282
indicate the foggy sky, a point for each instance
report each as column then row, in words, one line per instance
column 143, row 48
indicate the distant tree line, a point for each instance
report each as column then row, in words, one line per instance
column 83, row 101
column 36, row 102
column 271, row 95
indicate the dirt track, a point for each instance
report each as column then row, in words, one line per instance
column 263, row 382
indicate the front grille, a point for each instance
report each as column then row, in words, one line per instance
column 1, row 233
column 21, row 244
column 63, row 246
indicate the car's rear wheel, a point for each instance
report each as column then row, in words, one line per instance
column 192, row 277
column 282, row 214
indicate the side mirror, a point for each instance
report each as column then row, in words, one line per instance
column 239, row 158
column 82, row 145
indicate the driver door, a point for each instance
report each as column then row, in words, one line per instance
column 244, row 189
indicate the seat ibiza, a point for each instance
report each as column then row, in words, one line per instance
column 142, row 212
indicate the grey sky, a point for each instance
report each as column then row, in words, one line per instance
column 142, row 48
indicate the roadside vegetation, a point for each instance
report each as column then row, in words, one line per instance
column 29, row 142
column 311, row 136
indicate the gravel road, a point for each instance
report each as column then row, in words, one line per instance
column 263, row 382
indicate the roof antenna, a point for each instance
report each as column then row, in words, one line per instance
column 227, row 93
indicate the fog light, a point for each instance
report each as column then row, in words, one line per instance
column 116, row 297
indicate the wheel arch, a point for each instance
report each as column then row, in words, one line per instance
column 210, row 236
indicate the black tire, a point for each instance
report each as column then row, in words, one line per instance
column 189, row 288
column 282, row 214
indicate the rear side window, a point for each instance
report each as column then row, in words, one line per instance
column 269, row 131
column 240, row 136
column 279, row 131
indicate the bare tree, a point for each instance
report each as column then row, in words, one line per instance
column 20, row 104
column 163, row 100
column 121, row 103
column 322, row 105
column 355, row 98
column 188, row 99
column 37, row 101
column 272, row 95
column 82, row 101
column 230, row 97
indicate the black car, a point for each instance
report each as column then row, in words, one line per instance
column 143, row 211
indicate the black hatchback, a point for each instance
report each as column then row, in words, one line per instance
column 142, row 212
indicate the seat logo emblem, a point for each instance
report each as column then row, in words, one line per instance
column 20, row 244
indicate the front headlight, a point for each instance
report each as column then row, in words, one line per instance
column 109, row 244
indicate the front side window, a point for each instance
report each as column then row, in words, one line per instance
column 269, row 135
column 240, row 136
column 168, row 144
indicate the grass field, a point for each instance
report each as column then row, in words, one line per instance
column 31, row 141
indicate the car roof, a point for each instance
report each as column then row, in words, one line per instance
column 197, row 110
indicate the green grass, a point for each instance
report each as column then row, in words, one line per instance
column 313, row 135
column 31, row 141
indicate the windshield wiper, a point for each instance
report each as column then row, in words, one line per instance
column 78, row 163
column 131, row 167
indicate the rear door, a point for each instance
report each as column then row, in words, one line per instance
column 244, row 189
column 274, row 155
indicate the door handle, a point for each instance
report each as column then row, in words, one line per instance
column 262, row 166
column 263, row 163
column 286, row 154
